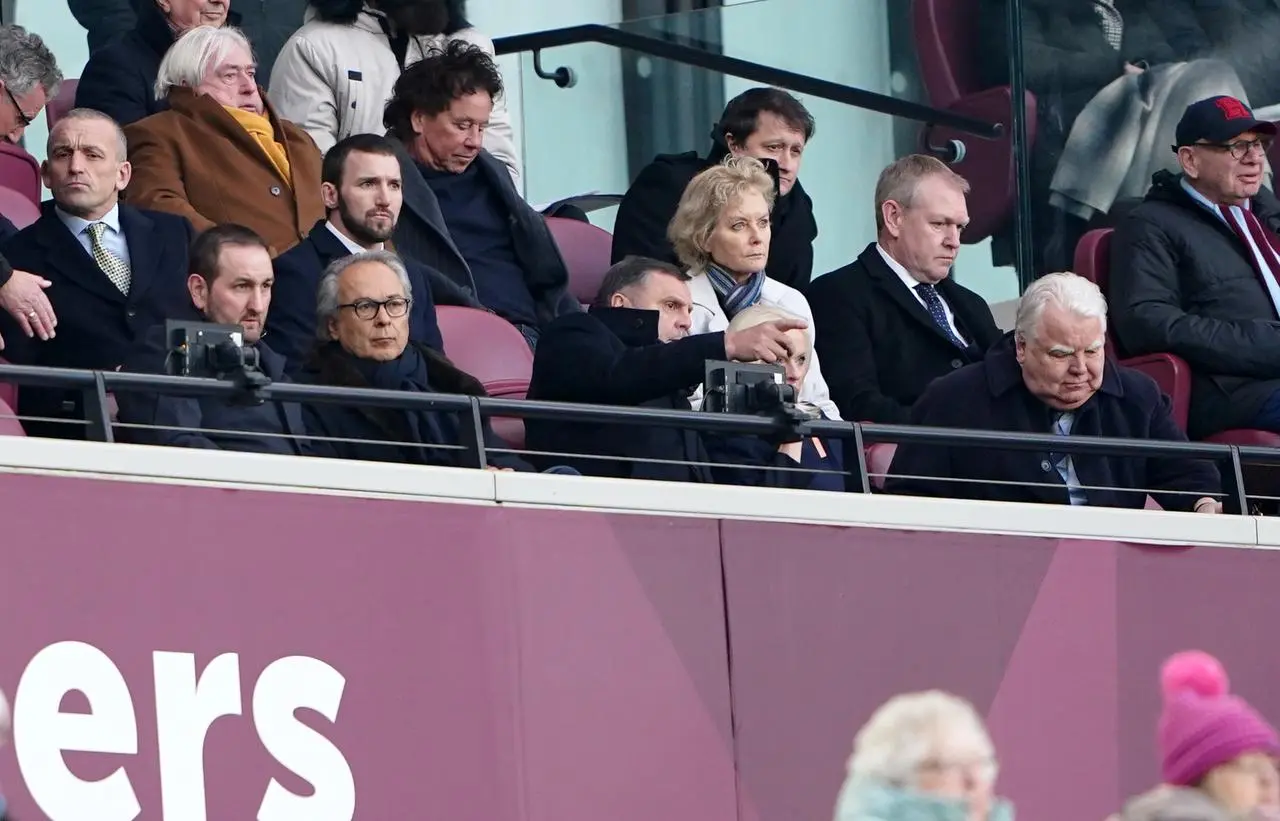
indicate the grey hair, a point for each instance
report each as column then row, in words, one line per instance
column 327, row 293
column 191, row 55
column 1071, row 292
column 26, row 62
column 909, row 730
column 122, row 142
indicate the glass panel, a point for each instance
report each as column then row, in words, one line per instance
column 1111, row 78
column 584, row 138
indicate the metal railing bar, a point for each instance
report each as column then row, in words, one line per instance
column 745, row 69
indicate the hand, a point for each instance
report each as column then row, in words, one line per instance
column 493, row 469
column 1130, row 68
column 23, row 296
column 766, row 342
column 1208, row 504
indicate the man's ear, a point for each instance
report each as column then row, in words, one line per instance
column 199, row 290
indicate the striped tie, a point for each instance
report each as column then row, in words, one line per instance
column 114, row 267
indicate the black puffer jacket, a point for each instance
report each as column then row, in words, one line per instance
column 1183, row 283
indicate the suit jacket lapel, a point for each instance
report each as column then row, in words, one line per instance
column 68, row 257
column 143, row 253
column 887, row 281
column 421, row 200
column 328, row 247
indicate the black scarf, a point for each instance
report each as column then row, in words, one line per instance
column 408, row 372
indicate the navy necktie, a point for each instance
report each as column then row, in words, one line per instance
column 933, row 303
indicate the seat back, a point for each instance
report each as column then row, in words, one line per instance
column 1173, row 375
column 17, row 208
column 491, row 349
column 587, row 250
column 946, row 34
column 9, row 423
column 58, row 107
column 8, row 390
column 1093, row 262
column 19, row 171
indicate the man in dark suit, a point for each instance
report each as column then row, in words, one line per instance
column 1051, row 376
column 230, row 284
column 765, row 123
column 463, row 215
column 362, row 197
column 633, row 348
column 114, row 270
column 894, row 320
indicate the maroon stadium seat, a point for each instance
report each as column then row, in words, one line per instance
column 879, row 458
column 9, row 424
column 19, row 171
column 1171, row 373
column 17, row 208
column 8, row 390
column 60, row 105
column 946, row 39
column 586, row 250
column 493, row 351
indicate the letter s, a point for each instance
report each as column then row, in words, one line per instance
column 287, row 685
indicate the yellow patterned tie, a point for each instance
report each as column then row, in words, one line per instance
column 114, row 267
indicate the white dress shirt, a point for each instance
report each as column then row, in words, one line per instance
column 911, row 282
column 348, row 242
column 112, row 238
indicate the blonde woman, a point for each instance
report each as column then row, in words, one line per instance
column 721, row 234
column 825, row 458
column 922, row 755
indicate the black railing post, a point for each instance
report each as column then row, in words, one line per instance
column 471, row 431
column 1237, row 479
column 864, row 473
column 1024, row 253
column 97, row 411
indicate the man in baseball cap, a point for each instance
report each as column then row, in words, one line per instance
column 1195, row 269
column 1218, row 120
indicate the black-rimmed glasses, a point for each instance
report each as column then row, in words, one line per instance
column 396, row 306
column 22, row 115
column 1241, row 148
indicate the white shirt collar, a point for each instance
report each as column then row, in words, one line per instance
column 349, row 243
column 895, row 266
column 78, row 226
column 1205, row 201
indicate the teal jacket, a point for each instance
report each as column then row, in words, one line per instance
column 873, row 801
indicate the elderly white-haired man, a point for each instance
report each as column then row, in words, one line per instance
column 922, row 755
column 220, row 154
column 1051, row 375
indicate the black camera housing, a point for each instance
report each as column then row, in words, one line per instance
column 738, row 387
column 205, row 349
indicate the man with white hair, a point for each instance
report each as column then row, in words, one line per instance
column 221, row 154
column 1051, row 376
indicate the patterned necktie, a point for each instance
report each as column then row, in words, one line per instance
column 114, row 267
column 933, row 302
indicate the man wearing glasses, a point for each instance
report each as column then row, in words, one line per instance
column 1195, row 269
column 30, row 78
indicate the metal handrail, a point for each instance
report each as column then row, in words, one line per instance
column 536, row 41
column 96, row 385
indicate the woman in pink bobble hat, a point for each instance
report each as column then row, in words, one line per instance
column 1217, row 754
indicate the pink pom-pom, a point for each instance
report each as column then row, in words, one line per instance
column 1193, row 671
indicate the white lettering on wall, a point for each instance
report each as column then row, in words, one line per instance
column 41, row 732
column 185, row 708
column 186, row 705
column 284, row 687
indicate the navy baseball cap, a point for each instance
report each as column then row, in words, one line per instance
column 1217, row 120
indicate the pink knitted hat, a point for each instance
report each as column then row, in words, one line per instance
column 1201, row 725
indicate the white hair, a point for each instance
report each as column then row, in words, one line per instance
column 909, row 730
column 327, row 291
column 1071, row 292
column 191, row 56
column 763, row 312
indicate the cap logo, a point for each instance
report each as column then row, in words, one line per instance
column 1233, row 109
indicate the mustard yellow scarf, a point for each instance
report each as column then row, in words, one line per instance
column 259, row 127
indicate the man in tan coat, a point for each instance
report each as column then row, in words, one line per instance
column 220, row 154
